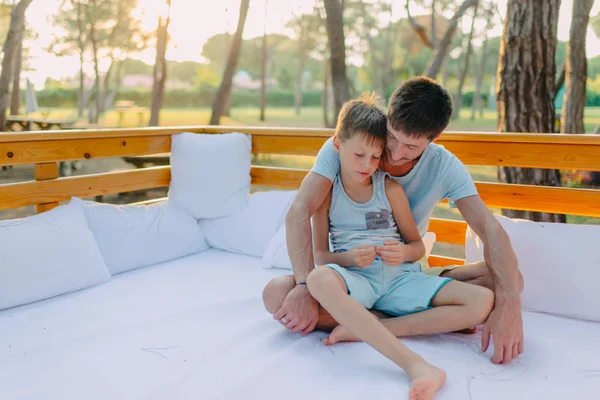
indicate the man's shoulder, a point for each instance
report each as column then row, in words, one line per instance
column 437, row 155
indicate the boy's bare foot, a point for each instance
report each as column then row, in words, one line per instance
column 339, row 335
column 427, row 380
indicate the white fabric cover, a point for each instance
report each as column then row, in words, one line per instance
column 210, row 173
column 46, row 255
column 276, row 255
column 195, row 328
column 559, row 263
column 250, row 230
column 135, row 236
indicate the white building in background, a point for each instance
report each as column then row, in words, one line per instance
column 243, row 80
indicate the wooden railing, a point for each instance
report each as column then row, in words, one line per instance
column 577, row 152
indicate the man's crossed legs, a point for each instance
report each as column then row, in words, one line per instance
column 446, row 315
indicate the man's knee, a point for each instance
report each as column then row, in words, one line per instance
column 276, row 291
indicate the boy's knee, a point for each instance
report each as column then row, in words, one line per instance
column 484, row 303
column 276, row 291
column 321, row 279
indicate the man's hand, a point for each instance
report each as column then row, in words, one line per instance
column 506, row 328
column 362, row 256
column 392, row 252
column 299, row 311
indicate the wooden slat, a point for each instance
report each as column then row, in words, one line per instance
column 149, row 202
column 448, row 231
column 26, row 152
column 298, row 145
column 44, row 172
column 283, row 178
column 540, row 198
column 533, row 155
column 441, row 261
column 31, row 193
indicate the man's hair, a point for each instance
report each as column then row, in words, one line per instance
column 363, row 116
column 420, row 107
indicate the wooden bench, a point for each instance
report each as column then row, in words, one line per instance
column 577, row 152
column 29, row 123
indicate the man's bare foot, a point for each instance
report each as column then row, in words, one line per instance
column 339, row 335
column 427, row 380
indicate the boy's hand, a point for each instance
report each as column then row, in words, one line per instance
column 362, row 256
column 392, row 252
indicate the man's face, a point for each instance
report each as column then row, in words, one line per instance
column 401, row 149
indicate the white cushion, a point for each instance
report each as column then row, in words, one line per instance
column 276, row 255
column 249, row 231
column 48, row 254
column 559, row 263
column 131, row 237
column 210, row 174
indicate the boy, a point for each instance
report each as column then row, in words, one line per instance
column 366, row 214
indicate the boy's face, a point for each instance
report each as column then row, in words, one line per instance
column 359, row 156
column 401, row 149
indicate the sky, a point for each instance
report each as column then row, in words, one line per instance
column 194, row 21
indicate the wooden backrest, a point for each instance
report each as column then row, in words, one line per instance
column 575, row 152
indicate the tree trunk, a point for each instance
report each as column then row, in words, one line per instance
column 17, row 22
column 576, row 71
column 465, row 68
column 325, row 97
column 160, row 66
column 94, row 40
column 300, row 71
column 433, row 28
column 445, row 71
column 81, row 43
column 477, row 100
column 526, row 72
column 234, row 54
column 419, row 29
column 263, row 70
column 335, row 34
column 435, row 62
column 15, row 100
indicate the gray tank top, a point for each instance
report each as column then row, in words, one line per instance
column 352, row 224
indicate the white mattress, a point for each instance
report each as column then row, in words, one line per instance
column 195, row 328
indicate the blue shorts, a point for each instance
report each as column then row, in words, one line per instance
column 396, row 291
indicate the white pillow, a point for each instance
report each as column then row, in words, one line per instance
column 48, row 254
column 131, row 237
column 210, row 173
column 559, row 263
column 276, row 255
column 249, row 231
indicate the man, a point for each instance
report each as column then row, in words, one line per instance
column 418, row 112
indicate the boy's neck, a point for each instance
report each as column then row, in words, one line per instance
column 354, row 187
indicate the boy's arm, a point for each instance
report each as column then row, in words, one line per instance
column 320, row 225
column 414, row 250
column 360, row 256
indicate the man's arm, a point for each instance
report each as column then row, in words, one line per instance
column 313, row 192
column 505, row 323
column 299, row 311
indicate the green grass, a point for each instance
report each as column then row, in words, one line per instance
column 309, row 117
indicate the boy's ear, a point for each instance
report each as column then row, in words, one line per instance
column 336, row 143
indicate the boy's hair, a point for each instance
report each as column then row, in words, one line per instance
column 420, row 107
column 363, row 116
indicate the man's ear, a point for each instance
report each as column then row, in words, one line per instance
column 436, row 137
column 336, row 143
